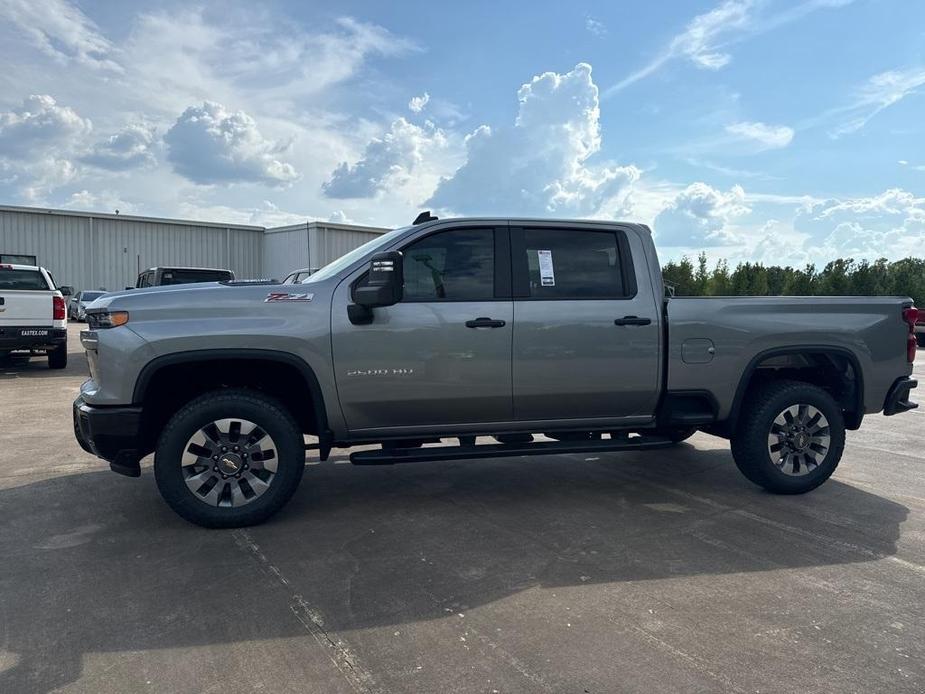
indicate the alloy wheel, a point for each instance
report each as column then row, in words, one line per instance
column 799, row 440
column 229, row 462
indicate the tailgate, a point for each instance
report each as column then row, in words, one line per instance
column 26, row 308
column 25, row 297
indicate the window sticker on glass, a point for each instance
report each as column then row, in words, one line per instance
column 547, row 274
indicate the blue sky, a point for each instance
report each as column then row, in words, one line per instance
column 772, row 130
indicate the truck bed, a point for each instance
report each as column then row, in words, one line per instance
column 747, row 332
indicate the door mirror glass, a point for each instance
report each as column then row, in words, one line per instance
column 384, row 283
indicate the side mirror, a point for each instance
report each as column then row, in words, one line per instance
column 384, row 285
column 66, row 290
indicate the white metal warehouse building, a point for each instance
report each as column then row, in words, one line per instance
column 89, row 250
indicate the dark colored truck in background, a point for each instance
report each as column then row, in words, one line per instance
column 550, row 336
column 160, row 276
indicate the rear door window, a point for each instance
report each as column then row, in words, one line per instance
column 570, row 264
column 22, row 280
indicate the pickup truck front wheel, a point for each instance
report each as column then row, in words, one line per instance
column 790, row 437
column 229, row 458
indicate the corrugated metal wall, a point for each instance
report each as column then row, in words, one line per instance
column 330, row 243
column 313, row 245
column 61, row 244
column 285, row 249
column 106, row 252
column 93, row 252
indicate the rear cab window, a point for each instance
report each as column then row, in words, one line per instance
column 14, row 279
column 193, row 276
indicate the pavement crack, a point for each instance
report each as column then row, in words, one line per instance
column 337, row 650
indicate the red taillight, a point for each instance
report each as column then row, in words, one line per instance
column 910, row 315
column 58, row 308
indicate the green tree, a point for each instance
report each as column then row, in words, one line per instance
column 702, row 277
column 681, row 276
column 750, row 280
column 720, row 283
column 840, row 277
column 801, row 282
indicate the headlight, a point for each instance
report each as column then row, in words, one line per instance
column 106, row 319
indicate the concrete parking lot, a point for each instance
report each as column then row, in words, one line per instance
column 631, row 572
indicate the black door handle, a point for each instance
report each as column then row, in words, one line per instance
column 632, row 320
column 485, row 323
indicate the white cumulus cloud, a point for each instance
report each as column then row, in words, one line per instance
column 130, row 148
column 763, row 135
column 699, row 216
column 388, row 162
column 39, row 124
column 890, row 224
column 539, row 166
column 209, row 144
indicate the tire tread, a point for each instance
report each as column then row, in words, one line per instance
column 749, row 444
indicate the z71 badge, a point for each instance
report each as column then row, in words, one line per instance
column 286, row 296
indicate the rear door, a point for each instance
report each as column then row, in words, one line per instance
column 586, row 341
column 441, row 356
column 25, row 297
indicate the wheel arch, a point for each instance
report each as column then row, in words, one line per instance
column 260, row 362
column 852, row 401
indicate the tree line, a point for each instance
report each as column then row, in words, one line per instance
column 841, row 277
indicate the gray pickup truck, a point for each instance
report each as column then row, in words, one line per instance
column 547, row 336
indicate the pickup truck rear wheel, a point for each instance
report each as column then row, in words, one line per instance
column 229, row 458
column 57, row 357
column 790, row 437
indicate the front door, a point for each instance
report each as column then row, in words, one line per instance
column 442, row 355
column 586, row 343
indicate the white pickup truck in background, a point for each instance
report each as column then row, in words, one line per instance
column 32, row 314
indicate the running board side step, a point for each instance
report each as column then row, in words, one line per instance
column 391, row 456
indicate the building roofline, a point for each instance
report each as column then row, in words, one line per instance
column 128, row 217
column 315, row 224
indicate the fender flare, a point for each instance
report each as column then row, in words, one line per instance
column 149, row 370
column 746, row 377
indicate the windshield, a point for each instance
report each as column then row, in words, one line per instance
column 91, row 296
column 344, row 261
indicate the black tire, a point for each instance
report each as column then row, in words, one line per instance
column 57, row 358
column 750, row 442
column 920, row 338
column 271, row 416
